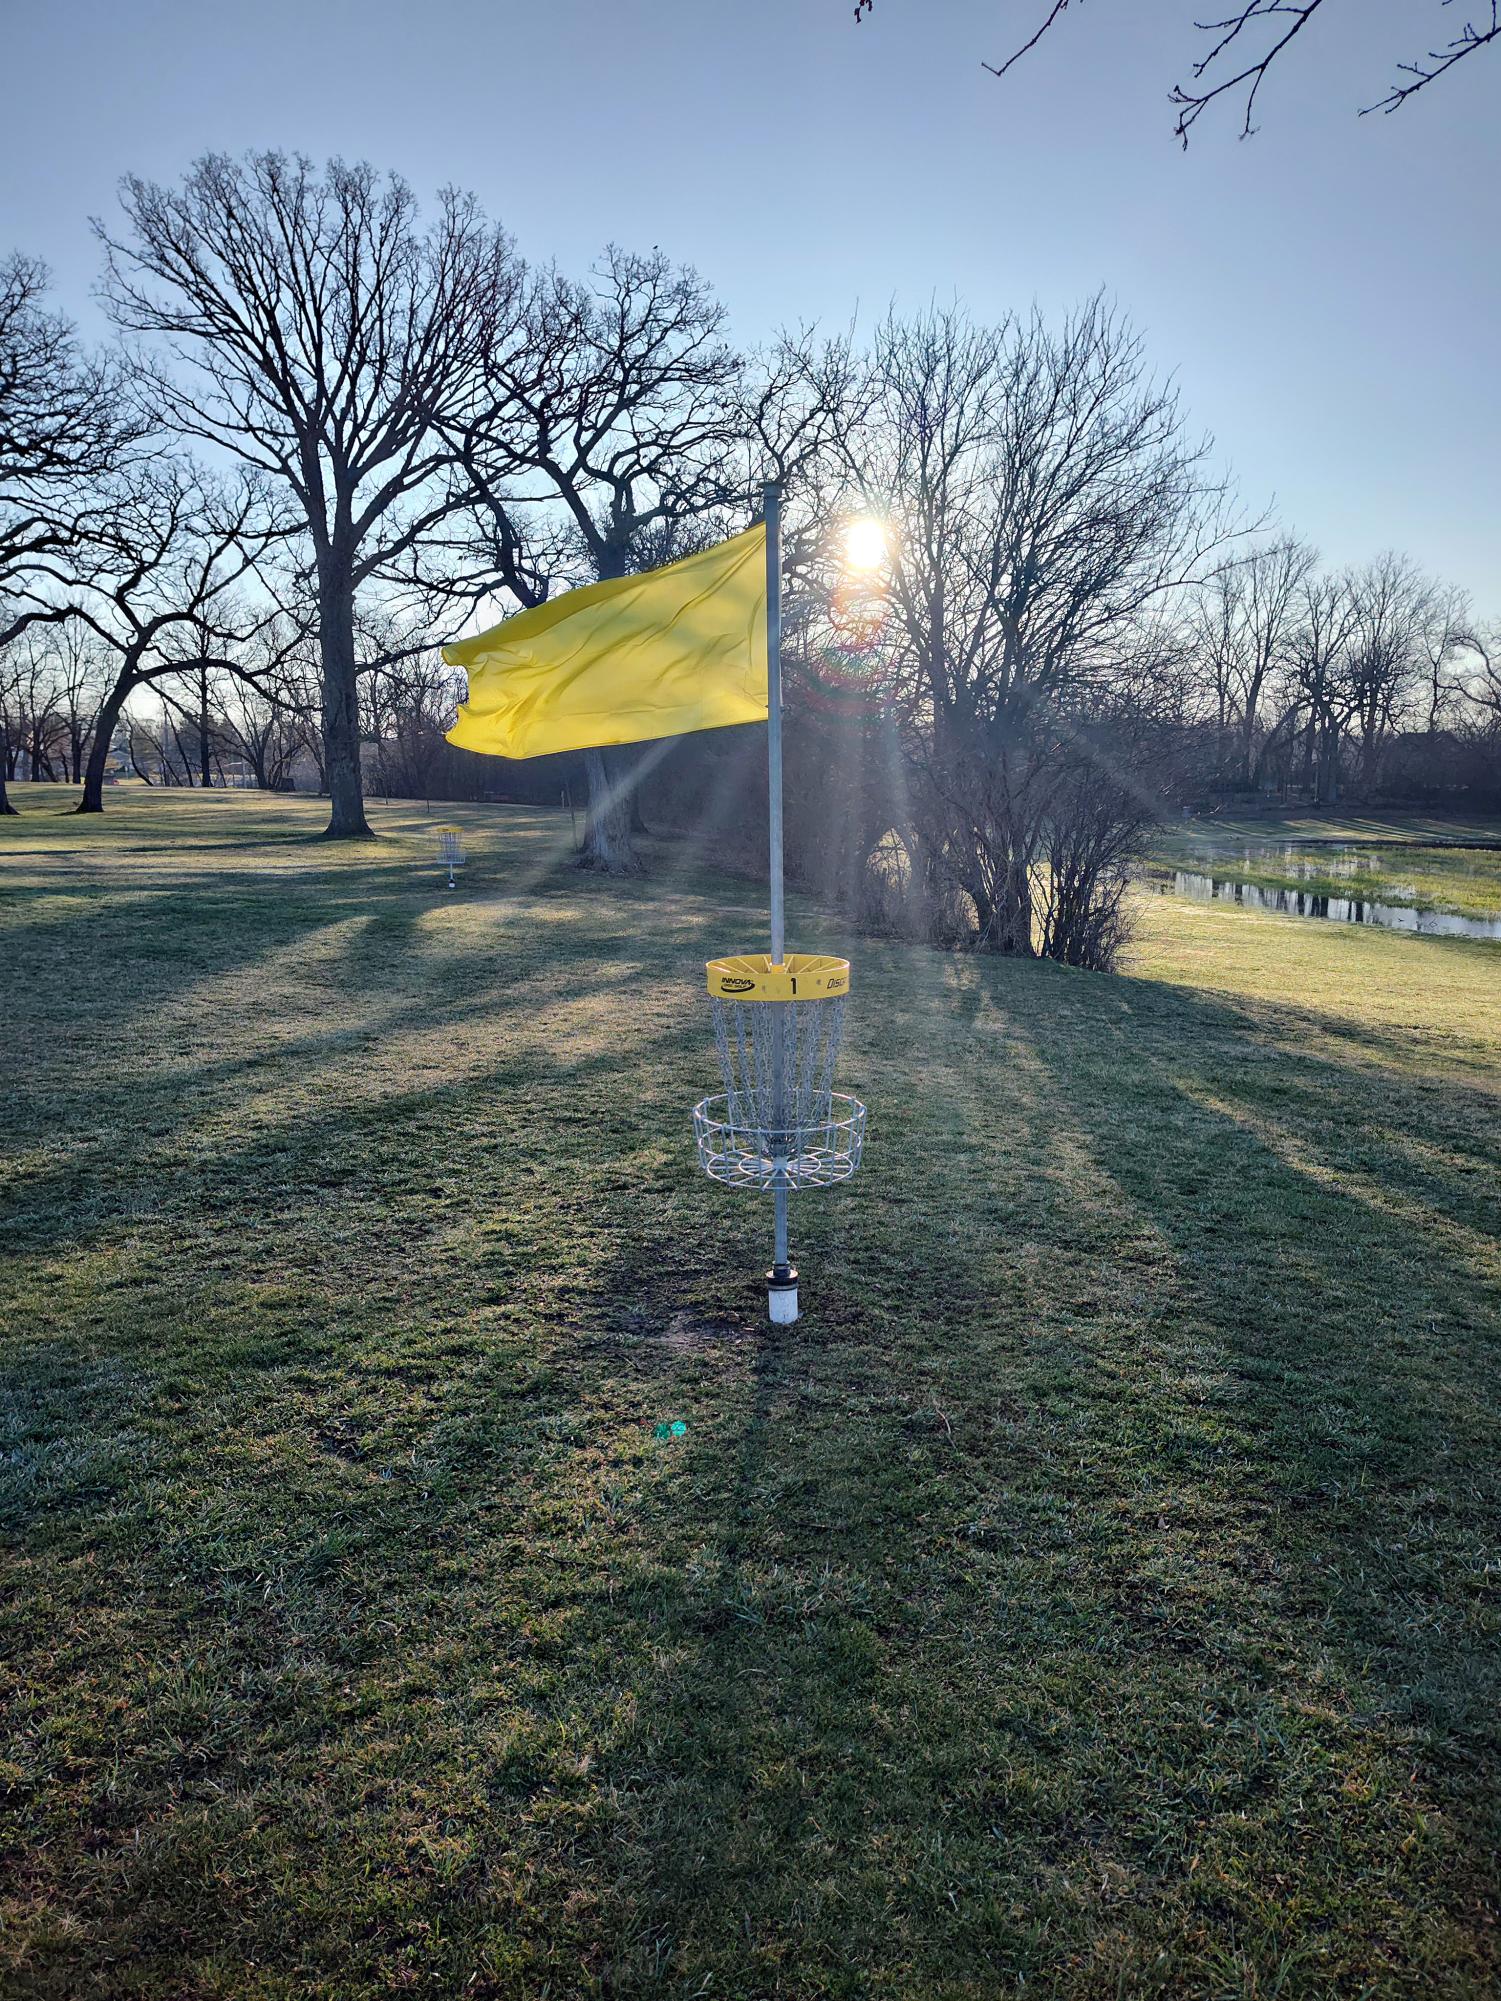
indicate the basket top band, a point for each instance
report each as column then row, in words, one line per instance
column 801, row 976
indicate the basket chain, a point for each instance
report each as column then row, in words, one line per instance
column 778, row 1061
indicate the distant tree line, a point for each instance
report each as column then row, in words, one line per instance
column 331, row 434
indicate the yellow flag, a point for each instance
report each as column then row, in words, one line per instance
column 671, row 650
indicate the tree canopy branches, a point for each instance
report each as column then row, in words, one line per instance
column 62, row 425
column 1236, row 63
column 308, row 325
column 1015, row 584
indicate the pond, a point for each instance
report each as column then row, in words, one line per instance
column 1307, row 903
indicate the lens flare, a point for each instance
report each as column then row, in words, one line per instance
column 865, row 544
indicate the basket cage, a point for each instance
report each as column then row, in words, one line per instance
column 779, row 1123
column 450, row 846
column 777, row 1059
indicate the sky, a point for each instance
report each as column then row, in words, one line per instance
column 1327, row 295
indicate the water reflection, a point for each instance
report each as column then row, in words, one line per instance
column 1341, row 909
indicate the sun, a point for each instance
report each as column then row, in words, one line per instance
column 865, row 544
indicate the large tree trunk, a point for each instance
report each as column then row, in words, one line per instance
column 1369, row 748
column 341, row 712
column 1247, row 749
column 6, row 808
column 638, row 818
column 607, row 825
column 609, row 776
column 104, row 735
column 1011, row 922
column 1328, row 793
column 206, row 775
column 1007, row 836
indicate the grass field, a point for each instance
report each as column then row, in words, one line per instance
column 1096, row 1593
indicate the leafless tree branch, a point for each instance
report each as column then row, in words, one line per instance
column 1287, row 19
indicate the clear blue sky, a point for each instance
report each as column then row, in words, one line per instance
column 1328, row 294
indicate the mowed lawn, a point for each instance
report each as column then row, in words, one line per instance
column 1096, row 1593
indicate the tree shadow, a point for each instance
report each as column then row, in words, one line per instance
column 1089, row 1589
column 1138, row 1524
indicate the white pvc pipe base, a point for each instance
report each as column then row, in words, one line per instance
column 782, row 1303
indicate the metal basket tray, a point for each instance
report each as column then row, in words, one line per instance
column 814, row 1153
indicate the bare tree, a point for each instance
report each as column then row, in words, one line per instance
column 155, row 585
column 314, row 330
column 10, row 722
column 1371, row 653
column 1244, row 621
column 61, row 428
column 269, row 706
column 1447, row 637
column 33, row 728
column 633, row 428
column 52, row 686
column 1316, row 681
column 412, row 704
column 1043, row 498
column 633, row 433
column 1244, row 42
column 1102, row 801
column 79, row 672
column 193, row 698
column 1483, row 686
column 1394, row 607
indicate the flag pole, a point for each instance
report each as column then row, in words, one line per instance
column 781, row 1280
column 773, row 499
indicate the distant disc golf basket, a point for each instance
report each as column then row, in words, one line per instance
column 450, row 851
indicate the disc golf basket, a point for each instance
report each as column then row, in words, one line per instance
column 779, row 1125
column 450, row 851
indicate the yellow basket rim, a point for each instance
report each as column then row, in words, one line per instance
column 754, row 976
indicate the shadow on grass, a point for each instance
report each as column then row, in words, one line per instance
column 1140, row 1528
column 1090, row 1590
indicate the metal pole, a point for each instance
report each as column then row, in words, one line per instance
column 781, row 1280
column 773, row 497
column 779, row 1258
